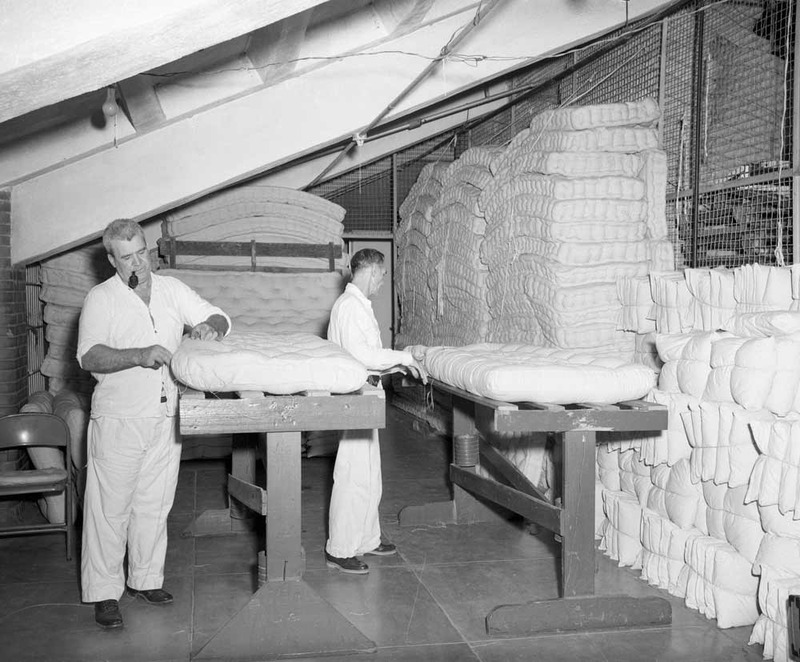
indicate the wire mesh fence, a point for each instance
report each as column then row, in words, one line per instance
column 722, row 73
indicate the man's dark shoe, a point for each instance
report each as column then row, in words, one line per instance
column 351, row 565
column 153, row 596
column 384, row 549
column 107, row 614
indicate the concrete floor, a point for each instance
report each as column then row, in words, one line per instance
column 427, row 603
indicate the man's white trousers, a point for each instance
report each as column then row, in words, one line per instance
column 132, row 473
column 354, row 527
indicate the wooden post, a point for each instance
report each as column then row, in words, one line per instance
column 577, row 519
column 285, row 558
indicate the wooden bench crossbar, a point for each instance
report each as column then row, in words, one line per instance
column 170, row 248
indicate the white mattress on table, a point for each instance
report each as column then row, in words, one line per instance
column 528, row 373
column 279, row 364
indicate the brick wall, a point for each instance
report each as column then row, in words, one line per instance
column 13, row 326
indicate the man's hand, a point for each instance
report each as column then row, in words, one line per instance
column 204, row 331
column 154, row 357
column 417, row 371
column 417, row 351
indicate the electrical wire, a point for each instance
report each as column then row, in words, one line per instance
column 469, row 59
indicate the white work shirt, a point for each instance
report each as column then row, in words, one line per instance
column 115, row 316
column 354, row 327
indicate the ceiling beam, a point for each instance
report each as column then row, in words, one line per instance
column 141, row 103
column 273, row 50
column 114, row 56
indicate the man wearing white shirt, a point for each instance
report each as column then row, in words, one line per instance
column 354, row 526
column 129, row 327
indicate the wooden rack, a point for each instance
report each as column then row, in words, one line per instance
column 309, row 624
column 572, row 518
column 169, row 248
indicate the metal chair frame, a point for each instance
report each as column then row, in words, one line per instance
column 38, row 429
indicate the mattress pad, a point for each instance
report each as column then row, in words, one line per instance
column 279, row 364
column 527, row 373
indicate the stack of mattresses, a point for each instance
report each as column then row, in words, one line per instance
column 778, row 565
column 414, row 266
column 66, row 279
column 721, row 523
column 705, row 299
column 758, row 288
column 458, row 279
column 262, row 214
column 713, row 301
column 577, row 204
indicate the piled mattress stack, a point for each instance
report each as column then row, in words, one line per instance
column 66, row 280
column 259, row 213
column 414, row 266
column 700, row 299
column 624, row 483
column 720, row 525
column 674, row 512
column 577, row 203
column 778, row 564
column 458, row 278
column 704, row 299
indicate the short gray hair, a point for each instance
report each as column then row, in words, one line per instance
column 364, row 258
column 121, row 228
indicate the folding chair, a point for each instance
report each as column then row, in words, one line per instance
column 38, row 429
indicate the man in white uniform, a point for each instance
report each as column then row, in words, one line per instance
column 129, row 327
column 354, row 527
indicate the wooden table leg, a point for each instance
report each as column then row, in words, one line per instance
column 577, row 524
column 284, row 552
column 284, row 618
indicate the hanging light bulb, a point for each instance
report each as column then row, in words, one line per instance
column 110, row 107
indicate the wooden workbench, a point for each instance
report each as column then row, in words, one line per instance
column 285, row 617
column 571, row 517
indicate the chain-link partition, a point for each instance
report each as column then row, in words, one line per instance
column 722, row 73
column 740, row 206
column 366, row 194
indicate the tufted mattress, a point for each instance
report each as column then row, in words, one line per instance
column 268, row 302
column 526, row 373
column 644, row 113
column 279, row 364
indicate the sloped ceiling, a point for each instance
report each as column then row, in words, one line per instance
column 213, row 92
